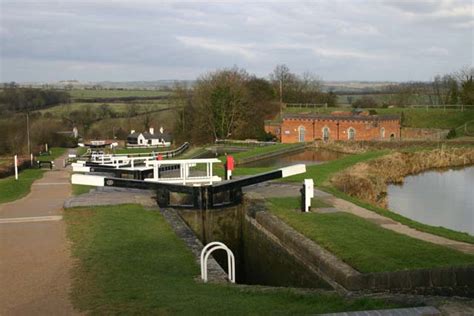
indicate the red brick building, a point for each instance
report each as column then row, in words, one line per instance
column 336, row 126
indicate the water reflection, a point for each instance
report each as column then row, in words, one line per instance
column 308, row 157
column 438, row 198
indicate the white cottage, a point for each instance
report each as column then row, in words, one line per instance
column 149, row 139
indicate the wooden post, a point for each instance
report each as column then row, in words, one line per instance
column 31, row 160
column 16, row 167
column 46, row 147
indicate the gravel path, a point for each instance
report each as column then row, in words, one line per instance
column 34, row 253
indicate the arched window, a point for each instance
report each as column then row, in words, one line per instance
column 301, row 132
column 382, row 133
column 326, row 133
column 351, row 133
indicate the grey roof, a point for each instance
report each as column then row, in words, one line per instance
column 166, row 136
column 342, row 117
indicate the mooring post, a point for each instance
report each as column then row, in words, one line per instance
column 16, row 166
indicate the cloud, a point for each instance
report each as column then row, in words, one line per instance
column 337, row 39
column 245, row 50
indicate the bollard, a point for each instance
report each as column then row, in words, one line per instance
column 31, row 160
column 229, row 167
column 16, row 167
column 307, row 193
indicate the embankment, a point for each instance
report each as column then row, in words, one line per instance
column 368, row 180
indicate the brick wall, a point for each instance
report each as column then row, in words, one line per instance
column 338, row 129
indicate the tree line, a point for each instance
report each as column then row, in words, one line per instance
column 16, row 99
column 231, row 103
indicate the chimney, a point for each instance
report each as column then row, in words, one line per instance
column 132, row 131
column 152, row 130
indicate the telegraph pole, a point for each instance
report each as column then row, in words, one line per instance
column 28, row 131
column 281, row 98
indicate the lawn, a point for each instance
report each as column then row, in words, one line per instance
column 11, row 189
column 323, row 172
column 129, row 261
column 364, row 245
column 78, row 189
column 264, row 150
column 55, row 153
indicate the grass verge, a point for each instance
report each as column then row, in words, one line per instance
column 439, row 231
column 78, row 189
column 55, row 153
column 131, row 262
column 11, row 189
column 363, row 245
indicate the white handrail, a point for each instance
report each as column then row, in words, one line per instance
column 206, row 252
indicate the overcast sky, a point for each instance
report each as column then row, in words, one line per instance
column 152, row 40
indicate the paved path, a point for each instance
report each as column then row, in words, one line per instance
column 34, row 254
column 276, row 189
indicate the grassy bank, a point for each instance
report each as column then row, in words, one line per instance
column 440, row 231
column 323, row 172
column 55, row 152
column 131, row 262
column 364, row 245
column 11, row 189
column 78, row 189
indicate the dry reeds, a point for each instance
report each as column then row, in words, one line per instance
column 368, row 180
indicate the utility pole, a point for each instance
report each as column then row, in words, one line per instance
column 281, row 98
column 28, row 131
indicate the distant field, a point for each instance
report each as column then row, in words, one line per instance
column 381, row 98
column 141, row 106
column 414, row 117
column 90, row 94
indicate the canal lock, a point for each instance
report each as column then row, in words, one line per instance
column 260, row 259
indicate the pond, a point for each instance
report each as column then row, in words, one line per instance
column 438, row 198
column 308, row 157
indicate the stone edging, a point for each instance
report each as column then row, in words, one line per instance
column 215, row 273
column 439, row 281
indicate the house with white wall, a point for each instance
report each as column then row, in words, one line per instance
column 149, row 139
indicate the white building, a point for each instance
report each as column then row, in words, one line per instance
column 149, row 139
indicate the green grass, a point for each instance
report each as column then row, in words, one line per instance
column 440, row 231
column 139, row 150
column 259, row 151
column 119, row 108
column 131, row 262
column 78, row 189
column 11, row 189
column 363, row 245
column 414, row 117
column 55, row 153
column 90, row 94
column 323, row 172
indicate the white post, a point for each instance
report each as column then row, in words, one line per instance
column 46, row 146
column 16, row 167
column 210, row 172
column 31, row 159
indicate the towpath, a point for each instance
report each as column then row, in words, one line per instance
column 34, row 255
column 277, row 189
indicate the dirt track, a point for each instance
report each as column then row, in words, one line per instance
column 34, row 254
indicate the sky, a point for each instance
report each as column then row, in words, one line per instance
column 338, row 40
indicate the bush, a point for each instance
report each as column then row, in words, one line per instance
column 451, row 133
column 365, row 102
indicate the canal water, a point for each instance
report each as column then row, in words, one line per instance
column 307, row 156
column 438, row 198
